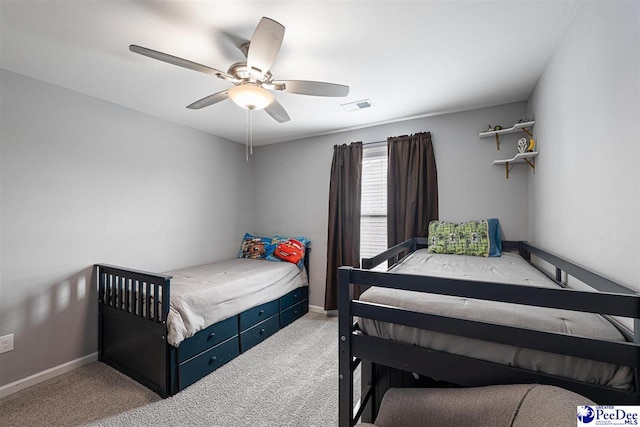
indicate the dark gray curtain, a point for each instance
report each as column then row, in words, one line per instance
column 343, row 247
column 412, row 193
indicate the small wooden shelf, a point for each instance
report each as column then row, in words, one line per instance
column 518, row 127
column 528, row 158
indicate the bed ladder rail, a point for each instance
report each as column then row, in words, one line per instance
column 394, row 253
column 594, row 280
column 346, row 364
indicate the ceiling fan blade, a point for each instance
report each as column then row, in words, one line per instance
column 264, row 46
column 306, row 87
column 185, row 63
column 276, row 111
column 209, row 100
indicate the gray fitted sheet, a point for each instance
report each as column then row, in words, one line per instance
column 509, row 268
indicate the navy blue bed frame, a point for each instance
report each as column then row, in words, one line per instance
column 132, row 329
column 398, row 359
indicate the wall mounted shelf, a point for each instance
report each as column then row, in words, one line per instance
column 528, row 158
column 518, row 127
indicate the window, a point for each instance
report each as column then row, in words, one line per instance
column 373, row 216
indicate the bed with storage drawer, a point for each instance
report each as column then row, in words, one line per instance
column 416, row 326
column 169, row 330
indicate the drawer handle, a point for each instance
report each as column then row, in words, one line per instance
column 261, row 331
column 212, row 360
column 261, row 312
column 295, row 296
column 295, row 311
column 212, row 335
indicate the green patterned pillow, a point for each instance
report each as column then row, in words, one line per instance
column 467, row 238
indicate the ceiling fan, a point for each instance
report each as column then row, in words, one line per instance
column 252, row 78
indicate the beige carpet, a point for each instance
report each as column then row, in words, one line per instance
column 291, row 379
column 89, row 393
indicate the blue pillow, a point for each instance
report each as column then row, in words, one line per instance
column 495, row 241
column 256, row 247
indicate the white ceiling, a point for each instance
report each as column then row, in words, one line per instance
column 410, row 58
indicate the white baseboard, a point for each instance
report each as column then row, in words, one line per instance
column 16, row 386
column 316, row 309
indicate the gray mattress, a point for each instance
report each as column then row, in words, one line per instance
column 511, row 269
column 206, row 294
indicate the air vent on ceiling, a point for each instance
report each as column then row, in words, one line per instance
column 357, row 105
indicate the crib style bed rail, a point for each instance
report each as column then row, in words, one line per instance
column 356, row 347
column 132, row 315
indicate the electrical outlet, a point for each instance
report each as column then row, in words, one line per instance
column 6, row 343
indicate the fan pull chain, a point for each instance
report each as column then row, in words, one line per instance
column 251, row 131
column 246, row 135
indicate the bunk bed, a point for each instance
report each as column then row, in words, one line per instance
column 387, row 358
column 218, row 311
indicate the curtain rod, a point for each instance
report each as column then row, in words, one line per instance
column 386, row 140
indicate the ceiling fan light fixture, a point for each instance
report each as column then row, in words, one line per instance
column 250, row 96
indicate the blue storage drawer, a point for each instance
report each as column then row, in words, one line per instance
column 294, row 297
column 292, row 313
column 259, row 332
column 255, row 315
column 208, row 361
column 207, row 338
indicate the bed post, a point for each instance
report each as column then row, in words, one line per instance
column 305, row 261
column 345, row 323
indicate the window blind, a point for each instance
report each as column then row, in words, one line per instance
column 373, row 221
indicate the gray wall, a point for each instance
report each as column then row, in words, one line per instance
column 584, row 199
column 182, row 197
column 292, row 179
column 85, row 181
